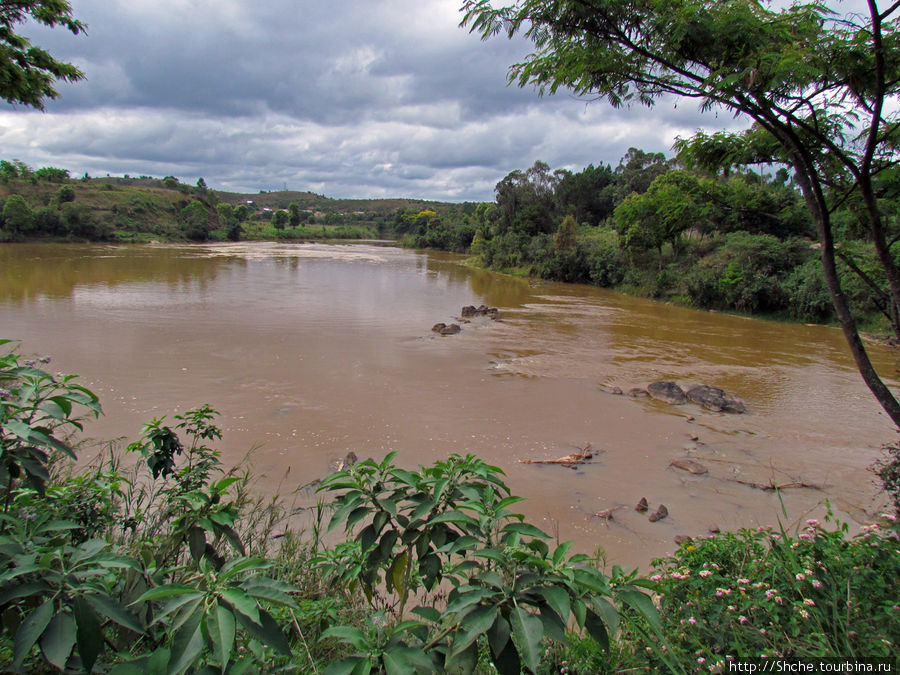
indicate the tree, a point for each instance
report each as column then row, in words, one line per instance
column 294, row 211
column 17, row 215
column 814, row 83
column 27, row 72
column 280, row 219
column 196, row 221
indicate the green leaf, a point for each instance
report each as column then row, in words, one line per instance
column 106, row 606
column 398, row 574
column 88, row 635
column 498, row 636
column 242, row 602
column 233, row 567
column 59, row 639
column 167, row 591
column 560, row 553
column 507, row 661
column 558, row 599
column 411, row 658
column 428, row 613
column 221, row 626
column 197, row 542
column 526, row 529
column 266, row 631
column 528, row 632
column 643, row 604
column 187, row 644
column 345, row 666
column 554, row 627
column 31, row 629
column 472, row 626
column 597, row 629
column 349, row 634
column 351, row 500
column 273, row 592
column 607, row 612
column 453, row 517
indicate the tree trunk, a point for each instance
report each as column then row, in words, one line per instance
column 822, row 221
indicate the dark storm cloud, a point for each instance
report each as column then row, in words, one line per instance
column 346, row 98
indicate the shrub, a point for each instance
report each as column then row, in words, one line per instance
column 761, row 593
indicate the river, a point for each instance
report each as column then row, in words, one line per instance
column 310, row 351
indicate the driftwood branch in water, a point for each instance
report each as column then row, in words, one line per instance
column 771, row 487
column 569, row 461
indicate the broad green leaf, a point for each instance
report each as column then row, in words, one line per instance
column 607, row 612
column 349, row 634
column 174, row 603
column 528, row 632
column 88, row 635
column 351, row 499
column 507, row 661
column 415, row 658
column 270, row 593
column 166, row 591
column 345, row 666
column 221, row 626
column 475, row 623
column 59, row 639
column 187, row 645
column 597, row 629
column 526, row 529
column 29, row 631
column 429, row 613
column 498, row 636
column 242, row 602
column 453, row 517
column 558, row 599
column 467, row 599
column 266, row 631
column 197, row 542
column 106, row 606
column 643, row 604
column 398, row 574
column 560, row 553
column 232, row 567
column 554, row 627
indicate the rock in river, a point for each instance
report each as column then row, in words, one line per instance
column 668, row 392
column 690, row 465
column 715, row 399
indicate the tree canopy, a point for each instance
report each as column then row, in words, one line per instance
column 28, row 73
column 816, row 85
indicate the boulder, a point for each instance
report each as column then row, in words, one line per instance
column 642, row 506
column 659, row 514
column 452, row 329
column 715, row 399
column 668, row 392
column 637, row 392
column 438, row 327
column 483, row 310
column 690, row 465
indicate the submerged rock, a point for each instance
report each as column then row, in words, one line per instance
column 642, row 506
column 637, row 392
column 444, row 329
column 715, row 399
column 690, row 465
column 669, row 392
column 483, row 310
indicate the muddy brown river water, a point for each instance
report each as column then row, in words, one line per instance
column 312, row 350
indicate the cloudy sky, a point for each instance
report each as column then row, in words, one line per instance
column 347, row 98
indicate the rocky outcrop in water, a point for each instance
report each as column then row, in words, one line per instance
column 444, row 329
column 470, row 310
column 668, row 392
column 690, row 465
column 715, row 399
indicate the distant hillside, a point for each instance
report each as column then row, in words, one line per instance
column 49, row 203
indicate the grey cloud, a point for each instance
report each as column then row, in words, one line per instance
column 348, row 98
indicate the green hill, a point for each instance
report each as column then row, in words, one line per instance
column 48, row 203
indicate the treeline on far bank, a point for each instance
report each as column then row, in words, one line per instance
column 742, row 241
column 48, row 203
